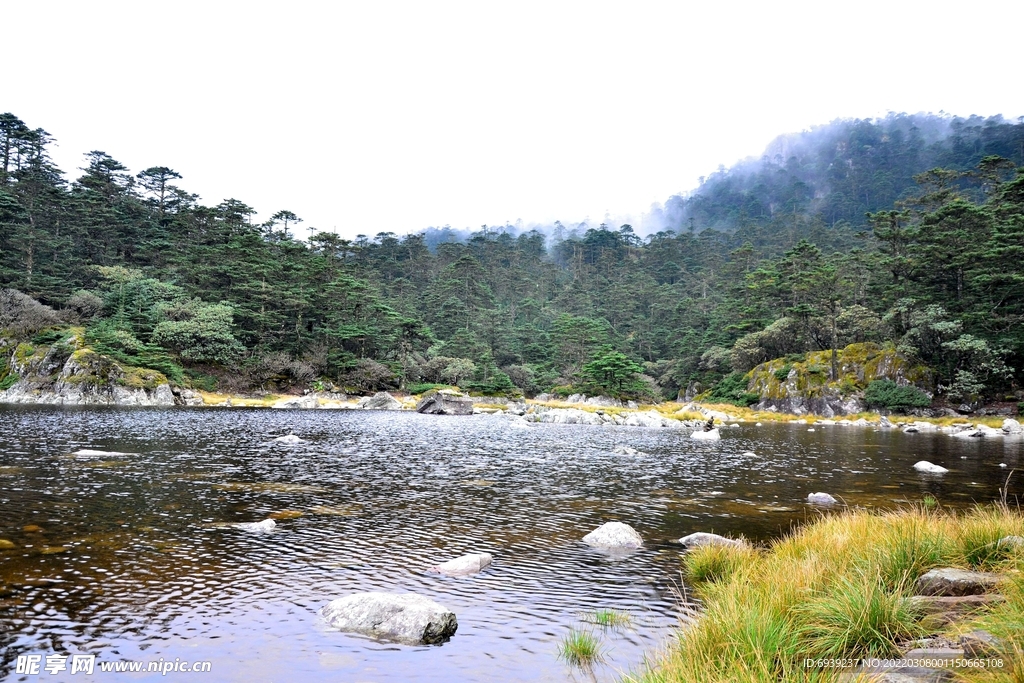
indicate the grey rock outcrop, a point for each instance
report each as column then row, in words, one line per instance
column 614, row 536
column 382, row 400
column 1011, row 426
column 66, row 374
column 466, row 565
column 696, row 540
column 407, row 618
column 956, row 582
column 445, row 403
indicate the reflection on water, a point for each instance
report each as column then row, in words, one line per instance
column 133, row 556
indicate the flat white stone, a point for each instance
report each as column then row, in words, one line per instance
column 404, row 617
column 465, row 565
column 90, row 453
column 925, row 466
column 712, row 435
column 821, row 499
column 289, row 438
column 702, row 538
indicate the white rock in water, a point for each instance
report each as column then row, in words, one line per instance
column 749, row 454
column 289, row 438
column 711, row 435
column 613, row 535
column 465, row 565
column 811, row 429
column 702, row 538
column 821, row 499
column 407, row 617
column 1012, row 426
column 967, row 433
column 925, row 466
column 261, row 527
column 89, row 453
column 758, row 424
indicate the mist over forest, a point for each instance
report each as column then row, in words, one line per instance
column 906, row 231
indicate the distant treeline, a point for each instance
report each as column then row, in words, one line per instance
column 857, row 236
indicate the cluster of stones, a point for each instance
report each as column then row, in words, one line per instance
column 943, row 597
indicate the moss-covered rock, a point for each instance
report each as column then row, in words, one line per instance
column 807, row 387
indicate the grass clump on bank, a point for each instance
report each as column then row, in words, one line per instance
column 836, row 588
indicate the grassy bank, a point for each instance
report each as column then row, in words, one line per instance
column 839, row 588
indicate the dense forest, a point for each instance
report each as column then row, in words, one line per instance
column 906, row 231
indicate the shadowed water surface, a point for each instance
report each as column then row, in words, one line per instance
column 127, row 556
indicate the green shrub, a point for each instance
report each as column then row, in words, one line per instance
column 884, row 393
column 8, row 381
column 1020, row 408
column 733, row 389
column 48, row 336
column 198, row 380
column 124, row 348
column 782, row 374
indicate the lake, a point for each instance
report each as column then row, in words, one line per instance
column 127, row 557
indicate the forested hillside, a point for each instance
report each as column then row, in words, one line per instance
column 906, row 231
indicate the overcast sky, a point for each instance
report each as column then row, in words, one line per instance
column 374, row 116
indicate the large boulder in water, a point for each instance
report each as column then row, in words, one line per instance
column 614, row 536
column 445, row 403
column 382, row 400
column 407, row 618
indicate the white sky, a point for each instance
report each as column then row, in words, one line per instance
column 373, row 116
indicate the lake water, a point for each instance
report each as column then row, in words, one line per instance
column 131, row 560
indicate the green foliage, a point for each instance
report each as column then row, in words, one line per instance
column 48, row 336
column 8, row 381
column 613, row 373
column 199, row 380
column 886, row 394
column 1020, row 408
column 782, row 374
column 123, row 347
column 732, row 389
column 199, row 332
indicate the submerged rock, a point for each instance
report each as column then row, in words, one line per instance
column 614, row 535
column 259, row 527
column 445, row 403
column 821, row 499
column 408, row 617
column 90, row 453
column 925, row 466
column 382, row 400
column 701, row 538
column 711, row 435
column 465, row 565
column 627, row 450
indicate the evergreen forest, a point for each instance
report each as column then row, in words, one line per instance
column 905, row 231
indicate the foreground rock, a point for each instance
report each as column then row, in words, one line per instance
column 445, row 403
column 954, row 582
column 382, row 400
column 821, row 499
column 407, row 618
column 701, row 539
column 289, row 439
column 465, row 565
column 614, row 536
column 647, row 418
column 709, row 435
column 929, row 468
column 265, row 526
